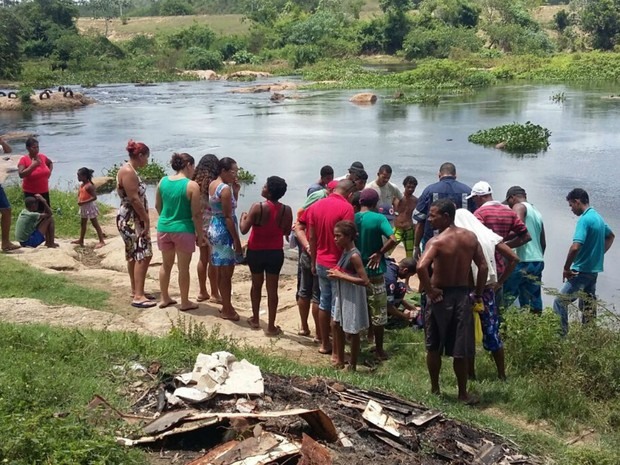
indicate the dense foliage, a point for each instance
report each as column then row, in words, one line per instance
column 150, row 173
column 515, row 137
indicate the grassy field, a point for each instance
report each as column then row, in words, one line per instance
column 221, row 24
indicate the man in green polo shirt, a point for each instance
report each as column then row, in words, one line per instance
column 372, row 228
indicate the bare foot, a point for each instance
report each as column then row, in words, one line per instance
column 304, row 332
column 253, row 322
column 234, row 316
column 9, row 247
column 216, row 299
column 202, row 297
column 381, row 355
column 470, row 399
column 52, row 246
column 274, row 332
column 325, row 351
column 78, row 242
column 99, row 245
column 338, row 365
column 168, row 303
column 190, row 306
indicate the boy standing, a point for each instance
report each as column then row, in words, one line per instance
column 5, row 208
column 33, row 228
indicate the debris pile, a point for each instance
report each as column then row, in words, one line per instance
column 252, row 419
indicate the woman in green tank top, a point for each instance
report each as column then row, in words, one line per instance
column 179, row 228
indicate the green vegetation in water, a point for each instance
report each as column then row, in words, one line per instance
column 558, row 97
column 150, row 173
column 65, row 208
column 426, row 99
column 245, row 177
column 515, row 137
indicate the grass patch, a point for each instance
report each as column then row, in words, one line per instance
column 65, row 207
column 48, row 370
column 21, row 280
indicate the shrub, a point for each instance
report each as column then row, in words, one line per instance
column 200, row 58
column 193, row 36
column 301, row 55
column 438, row 42
column 243, row 57
column 229, row 46
column 518, row 39
column 175, row 8
column 140, row 44
column 517, row 138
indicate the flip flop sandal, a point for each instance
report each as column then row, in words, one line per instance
column 145, row 304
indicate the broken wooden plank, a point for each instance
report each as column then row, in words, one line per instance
column 422, row 418
column 313, row 453
column 393, row 444
column 166, row 421
column 374, row 414
column 488, row 454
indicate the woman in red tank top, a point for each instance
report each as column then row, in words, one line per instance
column 270, row 222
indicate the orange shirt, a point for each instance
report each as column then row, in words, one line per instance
column 83, row 195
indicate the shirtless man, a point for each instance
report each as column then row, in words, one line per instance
column 404, row 230
column 449, row 323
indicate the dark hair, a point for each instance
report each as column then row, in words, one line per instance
column 180, row 160
column 448, row 168
column 410, row 180
column 86, row 173
column 345, row 187
column 134, row 148
column 30, row 202
column 31, row 141
column 206, row 171
column 578, row 194
column 347, row 228
column 225, row 164
column 355, row 174
column 409, row 263
column 276, row 187
column 327, row 171
column 445, row 206
column 385, row 169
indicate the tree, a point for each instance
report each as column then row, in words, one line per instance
column 601, row 19
column 397, row 24
column 10, row 39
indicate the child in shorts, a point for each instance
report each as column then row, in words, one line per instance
column 33, row 228
column 87, row 200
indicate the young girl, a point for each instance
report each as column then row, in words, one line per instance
column 350, row 308
column 88, row 206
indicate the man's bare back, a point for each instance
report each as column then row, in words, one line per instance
column 405, row 210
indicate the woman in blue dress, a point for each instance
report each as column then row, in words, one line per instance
column 223, row 231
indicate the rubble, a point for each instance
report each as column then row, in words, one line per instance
column 300, row 421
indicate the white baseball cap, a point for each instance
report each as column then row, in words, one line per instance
column 479, row 189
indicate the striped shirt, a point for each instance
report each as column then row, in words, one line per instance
column 502, row 221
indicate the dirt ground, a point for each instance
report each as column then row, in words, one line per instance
column 105, row 269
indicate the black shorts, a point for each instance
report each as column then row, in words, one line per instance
column 265, row 261
column 449, row 324
column 308, row 284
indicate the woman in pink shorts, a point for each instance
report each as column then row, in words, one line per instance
column 179, row 228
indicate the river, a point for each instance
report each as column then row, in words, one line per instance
column 295, row 138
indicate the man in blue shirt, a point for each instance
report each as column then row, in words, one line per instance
column 584, row 261
column 446, row 187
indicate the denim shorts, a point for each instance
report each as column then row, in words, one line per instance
column 4, row 201
column 35, row 239
column 326, row 288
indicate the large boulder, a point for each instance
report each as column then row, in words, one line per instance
column 364, row 98
column 246, row 74
column 203, row 74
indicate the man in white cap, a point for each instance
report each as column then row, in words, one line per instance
column 500, row 219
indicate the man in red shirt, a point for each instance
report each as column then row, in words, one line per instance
column 321, row 218
column 500, row 219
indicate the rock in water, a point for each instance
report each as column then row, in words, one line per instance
column 364, row 97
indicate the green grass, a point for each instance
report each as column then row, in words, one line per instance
column 21, row 280
column 221, row 24
column 65, row 208
column 48, row 370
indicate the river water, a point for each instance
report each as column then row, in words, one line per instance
column 295, row 138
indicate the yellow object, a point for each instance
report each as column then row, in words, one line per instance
column 478, row 307
column 477, row 328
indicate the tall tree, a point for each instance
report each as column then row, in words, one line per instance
column 10, row 38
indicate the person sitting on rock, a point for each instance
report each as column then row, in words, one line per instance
column 33, row 228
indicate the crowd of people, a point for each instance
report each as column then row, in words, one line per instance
column 472, row 253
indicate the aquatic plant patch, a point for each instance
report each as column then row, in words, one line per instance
column 245, row 177
column 515, row 137
column 151, row 173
